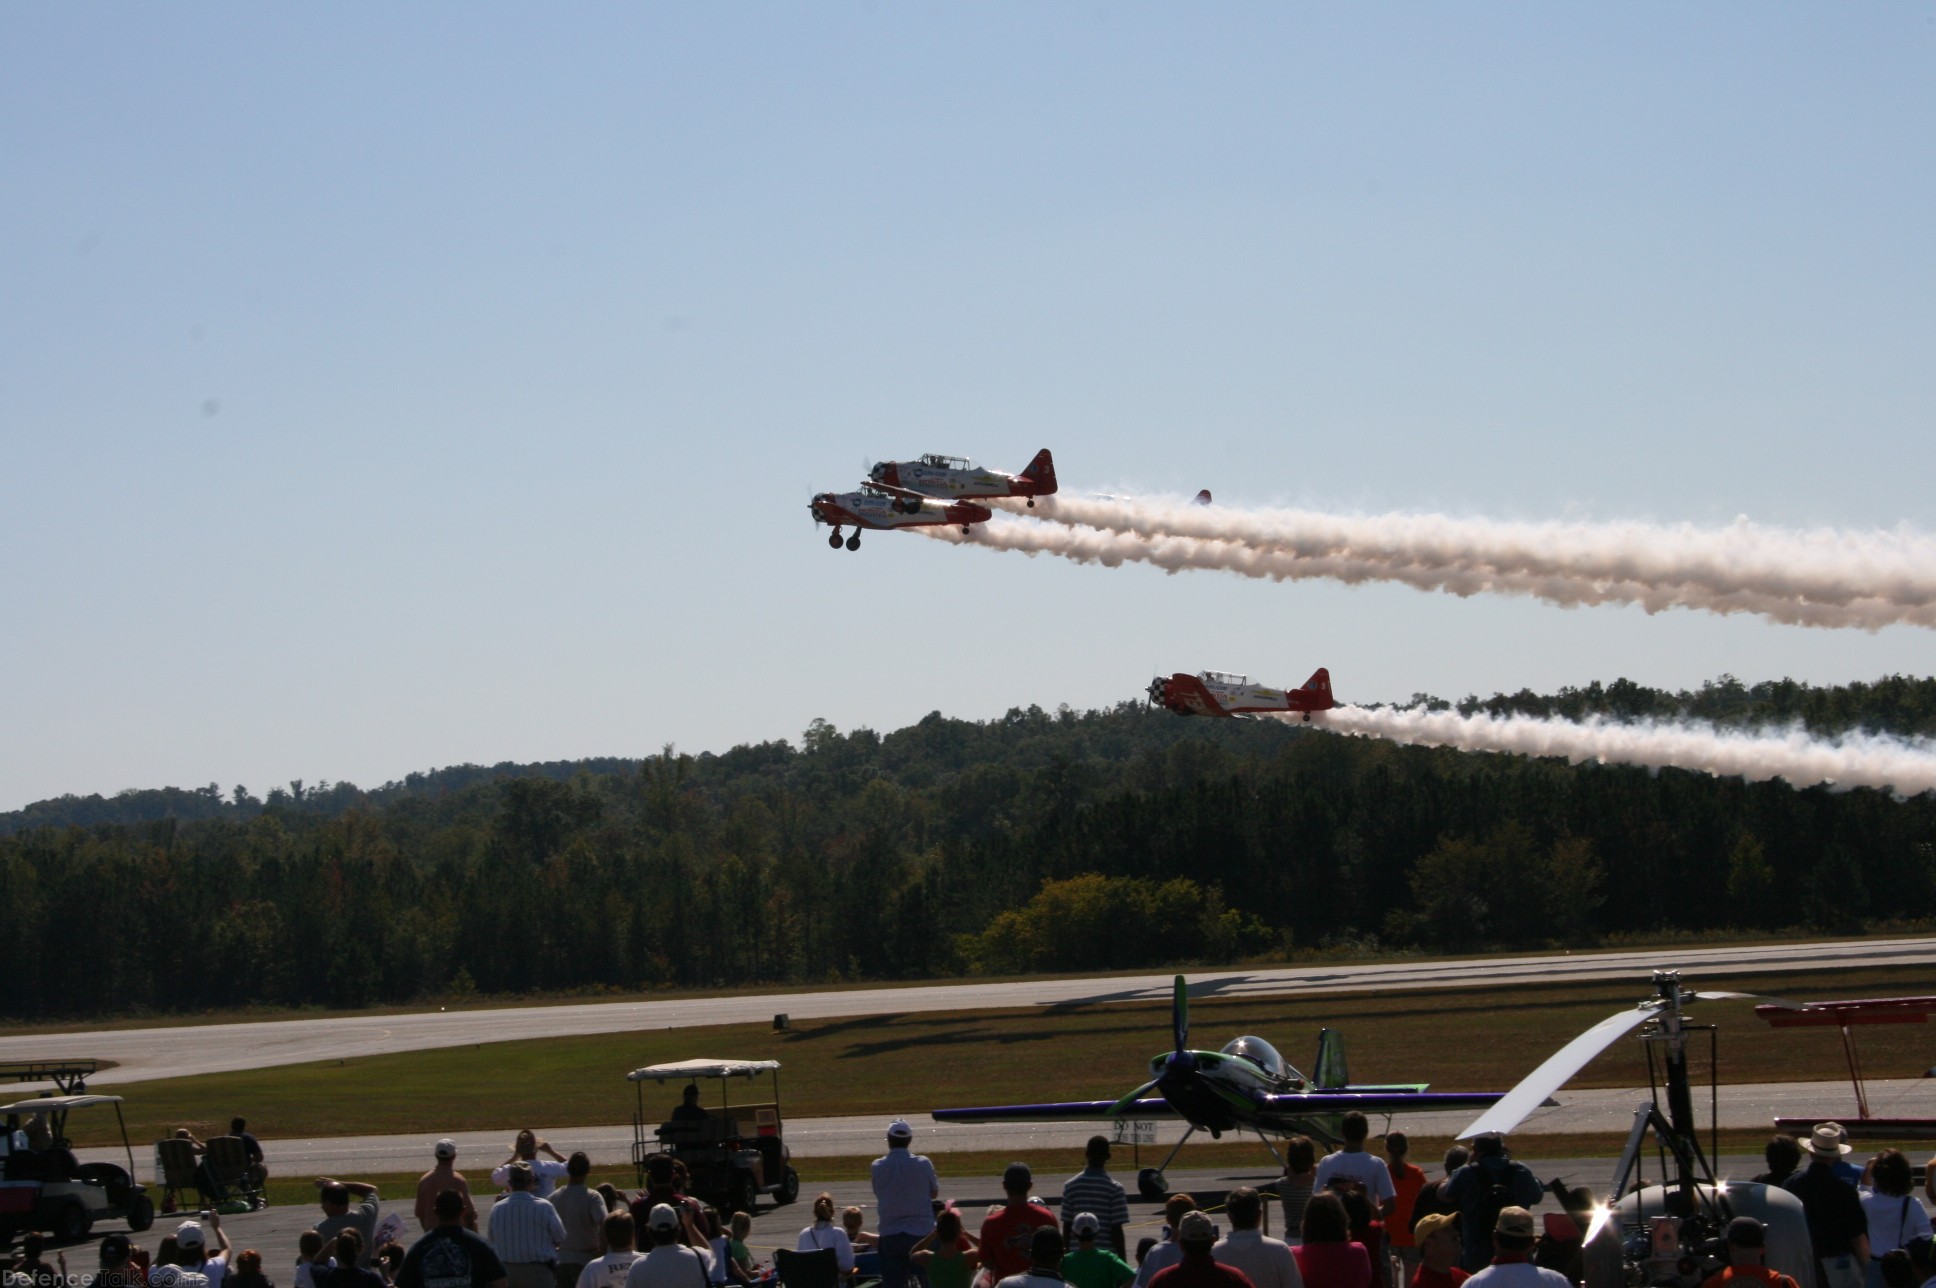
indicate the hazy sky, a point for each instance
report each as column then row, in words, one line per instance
column 389, row 386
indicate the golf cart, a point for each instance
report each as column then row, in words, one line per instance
column 46, row 1188
column 733, row 1153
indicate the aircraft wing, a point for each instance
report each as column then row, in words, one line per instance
column 1066, row 1111
column 1375, row 1100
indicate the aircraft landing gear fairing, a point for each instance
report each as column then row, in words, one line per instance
column 853, row 542
column 833, row 542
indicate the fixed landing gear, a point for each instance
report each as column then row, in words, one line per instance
column 1151, row 1185
column 1031, row 503
column 853, row 542
column 965, row 529
column 833, row 542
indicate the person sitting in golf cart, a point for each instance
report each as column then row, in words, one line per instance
column 689, row 1110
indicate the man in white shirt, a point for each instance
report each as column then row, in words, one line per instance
column 1268, row 1262
column 544, row 1171
column 905, row 1188
column 1352, row 1161
column 525, row 1232
column 670, row 1264
column 1512, row 1256
column 610, row 1270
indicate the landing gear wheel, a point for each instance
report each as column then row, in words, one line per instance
column 964, row 529
column 141, row 1212
column 1031, row 503
column 746, row 1193
column 789, row 1187
column 833, row 542
column 1151, row 1185
column 71, row 1223
column 853, row 542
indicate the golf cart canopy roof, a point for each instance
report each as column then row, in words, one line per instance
column 687, row 1070
column 42, row 1104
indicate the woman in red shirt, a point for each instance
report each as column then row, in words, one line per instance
column 1328, row 1258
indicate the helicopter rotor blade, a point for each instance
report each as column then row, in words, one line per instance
column 1533, row 1090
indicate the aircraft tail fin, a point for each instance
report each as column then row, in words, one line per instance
column 1320, row 683
column 1331, row 1070
column 1041, row 472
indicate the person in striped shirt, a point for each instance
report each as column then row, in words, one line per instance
column 526, row 1233
column 1094, row 1190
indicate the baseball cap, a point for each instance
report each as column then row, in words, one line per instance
column 446, row 1148
column 189, row 1234
column 1196, row 1227
column 1746, row 1232
column 662, row 1217
column 1430, row 1225
column 1514, row 1223
column 116, row 1248
column 1085, row 1223
column 1017, row 1176
column 899, row 1130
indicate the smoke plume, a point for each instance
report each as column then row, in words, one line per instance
column 1905, row 766
column 1824, row 577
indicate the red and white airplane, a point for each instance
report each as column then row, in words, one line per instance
column 886, row 508
column 957, row 478
column 1218, row 693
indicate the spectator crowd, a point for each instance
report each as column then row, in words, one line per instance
column 1349, row 1219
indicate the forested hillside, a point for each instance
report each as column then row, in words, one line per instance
column 1037, row 841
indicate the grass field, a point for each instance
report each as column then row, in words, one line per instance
column 1480, row 1039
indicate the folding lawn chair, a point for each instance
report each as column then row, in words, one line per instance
column 816, row 1269
column 227, row 1161
column 180, row 1172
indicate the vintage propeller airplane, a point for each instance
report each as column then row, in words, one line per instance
column 883, row 509
column 1218, row 693
column 957, row 478
column 1245, row 1086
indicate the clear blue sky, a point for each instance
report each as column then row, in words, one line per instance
column 384, row 387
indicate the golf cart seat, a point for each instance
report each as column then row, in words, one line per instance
column 713, row 1130
column 228, row 1166
column 817, row 1269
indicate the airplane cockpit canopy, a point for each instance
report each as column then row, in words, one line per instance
column 941, row 462
column 1260, row 1053
column 1227, row 677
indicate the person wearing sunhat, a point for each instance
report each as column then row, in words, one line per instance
column 1437, row 1238
column 1513, row 1237
column 1747, row 1259
column 1837, row 1225
column 905, row 1188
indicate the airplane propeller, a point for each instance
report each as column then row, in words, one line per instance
column 1180, row 1061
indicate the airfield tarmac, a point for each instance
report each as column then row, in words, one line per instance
column 187, row 1050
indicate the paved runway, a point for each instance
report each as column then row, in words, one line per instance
column 196, row 1049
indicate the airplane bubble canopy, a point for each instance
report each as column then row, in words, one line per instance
column 1258, row 1052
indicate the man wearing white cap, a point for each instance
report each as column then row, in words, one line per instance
column 196, row 1259
column 443, row 1176
column 670, row 1264
column 905, row 1188
column 1837, row 1225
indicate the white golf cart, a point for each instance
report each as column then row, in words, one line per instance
column 43, row 1187
column 734, row 1153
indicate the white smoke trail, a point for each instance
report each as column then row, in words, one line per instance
column 1085, row 544
column 1905, row 766
column 1826, row 577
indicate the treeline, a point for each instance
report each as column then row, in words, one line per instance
column 1038, row 841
